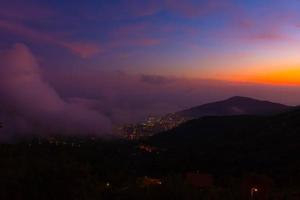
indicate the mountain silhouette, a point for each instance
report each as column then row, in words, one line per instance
column 235, row 106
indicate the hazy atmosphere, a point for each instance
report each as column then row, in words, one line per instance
column 149, row 100
column 89, row 66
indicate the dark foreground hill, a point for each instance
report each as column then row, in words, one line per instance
column 229, row 148
column 232, row 144
column 235, row 106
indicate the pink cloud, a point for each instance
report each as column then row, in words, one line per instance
column 20, row 29
column 246, row 26
column 82, row 49
column 263, row 30
column 269, row 36
column 25, row 11
column 145, row 34
column 28, row 96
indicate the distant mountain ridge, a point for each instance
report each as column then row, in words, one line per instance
column 236, row 105
column 230, row 107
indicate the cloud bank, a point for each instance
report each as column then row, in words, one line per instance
column 29, row 104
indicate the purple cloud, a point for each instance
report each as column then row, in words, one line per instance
column 83, row 49
column 26, row 96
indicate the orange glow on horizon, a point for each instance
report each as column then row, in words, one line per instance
column 289, row 76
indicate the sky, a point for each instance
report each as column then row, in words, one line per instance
column 237, row 40
column 102, row 63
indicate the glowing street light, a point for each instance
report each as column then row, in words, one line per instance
column 253, row 191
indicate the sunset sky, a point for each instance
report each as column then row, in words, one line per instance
column 84, row 66
column 236, row 40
